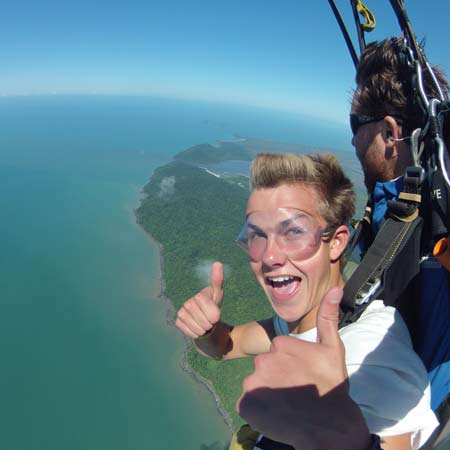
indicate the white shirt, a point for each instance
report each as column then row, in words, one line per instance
column 387, row 378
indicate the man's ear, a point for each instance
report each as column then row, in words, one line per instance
column 339, row 242
column 392, row 131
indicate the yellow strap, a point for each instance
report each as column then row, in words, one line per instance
column 368, row 16
column 408, row 196
column 406, row 219
column 244, row 439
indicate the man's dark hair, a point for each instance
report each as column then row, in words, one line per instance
column 383, row 80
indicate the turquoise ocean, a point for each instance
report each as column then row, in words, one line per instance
column 87, row 358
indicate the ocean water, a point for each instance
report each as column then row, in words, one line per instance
column 88, row 361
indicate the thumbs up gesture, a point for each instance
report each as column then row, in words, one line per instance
column 298, row 392
column 200, row 313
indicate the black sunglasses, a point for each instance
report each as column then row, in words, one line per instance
column 358, row 120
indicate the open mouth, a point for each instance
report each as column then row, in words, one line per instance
column 283, row 287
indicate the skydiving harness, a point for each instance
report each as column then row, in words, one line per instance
column 407, row 263
column 410, row 254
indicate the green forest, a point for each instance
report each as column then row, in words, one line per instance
column 210, row 154
column 196, row 217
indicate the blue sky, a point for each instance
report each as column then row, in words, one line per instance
column 286, row 55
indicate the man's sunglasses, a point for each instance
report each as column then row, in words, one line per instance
column 358, row 120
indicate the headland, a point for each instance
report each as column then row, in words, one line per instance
column 195, row 214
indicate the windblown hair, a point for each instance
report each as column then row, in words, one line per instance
column 336, row 197
column 383, row 82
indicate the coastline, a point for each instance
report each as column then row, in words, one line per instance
column 170, row 313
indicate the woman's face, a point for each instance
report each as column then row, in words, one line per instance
column 293, row 280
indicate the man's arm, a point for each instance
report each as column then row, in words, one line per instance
column 298, row 393
column 199, row 318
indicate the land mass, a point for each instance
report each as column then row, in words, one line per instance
column 195, row 215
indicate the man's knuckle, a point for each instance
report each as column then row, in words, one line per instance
column 189, row 305
column 214, row 315
column 260, row 361
column 278, row 343
column 181, row 313
column 247, row 383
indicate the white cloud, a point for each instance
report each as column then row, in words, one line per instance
column 203, row 271
column 167, row 186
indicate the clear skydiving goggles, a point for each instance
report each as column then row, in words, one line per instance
column 296, row 233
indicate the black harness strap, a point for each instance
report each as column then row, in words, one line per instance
column 362, row 232
column 267, row 444
column 390, row 267
column 377, row 276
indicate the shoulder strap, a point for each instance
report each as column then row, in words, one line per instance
column 280, row 326
column 391, row 265
column 362, row 232
column 386, row 270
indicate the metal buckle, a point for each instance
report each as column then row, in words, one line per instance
column 363, row 297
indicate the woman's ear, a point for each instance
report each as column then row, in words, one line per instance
column 339, row 242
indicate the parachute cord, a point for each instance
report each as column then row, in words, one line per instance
column 359, row 8
column 405, row 26
column 359, row 27
column 435, row 80
column 422, row 92
column 438, row 87
column 437, row 138
column 345, row 33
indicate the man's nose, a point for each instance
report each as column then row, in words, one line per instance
column 274, row 254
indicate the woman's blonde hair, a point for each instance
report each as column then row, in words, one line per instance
column 320, row 171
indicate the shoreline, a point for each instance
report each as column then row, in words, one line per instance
column 170, row 312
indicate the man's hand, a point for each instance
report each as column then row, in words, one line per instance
column 298, row 393
column 200, row 313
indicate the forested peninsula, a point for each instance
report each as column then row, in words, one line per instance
column 195, row 216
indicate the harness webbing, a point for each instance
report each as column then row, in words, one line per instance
column 267, row 444
column 377, row 277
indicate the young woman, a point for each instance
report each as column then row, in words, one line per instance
column 295, row 233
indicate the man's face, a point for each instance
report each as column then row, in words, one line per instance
column 293, row 286
column 370, row 147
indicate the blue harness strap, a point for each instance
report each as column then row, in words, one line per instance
column 280, row 326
